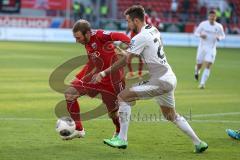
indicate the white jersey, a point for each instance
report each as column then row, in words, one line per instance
column 212, row 32
column 147, row 44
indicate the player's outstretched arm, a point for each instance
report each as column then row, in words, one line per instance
column 114, row 37
column 117, row 65
column 117, row 36
column 221, row 34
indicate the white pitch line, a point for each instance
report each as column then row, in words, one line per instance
column 155, row 120
column 216, row 114
column 104, row 119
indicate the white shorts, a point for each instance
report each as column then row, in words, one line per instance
column 205, row 54
column 161, row 89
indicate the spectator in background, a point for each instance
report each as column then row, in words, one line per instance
column 223, row 6
column 88, row 13
column 76, row 10
column 232, row 6
column 219, row 15
column 155, row 20
column 149, row 10
column 235, row 18
column 41, row 4
column 174, row 7
column 184, row 15
column 81, row 12
column 227, row 16
column 186, row 5
column 203, row 12
column 104, row 9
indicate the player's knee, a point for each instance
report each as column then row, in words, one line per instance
column 70, row 94
column 169, row 116
column 125, row 96
column 120, row 97
column 113, row 115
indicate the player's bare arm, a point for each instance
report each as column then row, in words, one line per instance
column 118, row 64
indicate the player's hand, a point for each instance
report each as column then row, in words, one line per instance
column 203, row 36
column 120, row 51
column 98, row 78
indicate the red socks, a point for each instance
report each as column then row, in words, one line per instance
column 74, row 111
column 116, row 123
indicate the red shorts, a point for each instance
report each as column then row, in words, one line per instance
column 108, row 92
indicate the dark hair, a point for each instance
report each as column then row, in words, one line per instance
column 136, row 11
column 212, row 12
column 81, row 25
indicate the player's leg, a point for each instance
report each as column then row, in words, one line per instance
column 124, row 99
column 209, row 60
column 197, row 71
column 205, row 75
column 109, row 99
column 167, row 105
column 115, row 119
column 78, row 88
column 146, row 89
column 71, row 95
column 199, row 62
column 109, row 96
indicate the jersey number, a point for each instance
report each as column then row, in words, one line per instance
column 160, row 52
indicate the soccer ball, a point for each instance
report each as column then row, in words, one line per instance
column 65, row 126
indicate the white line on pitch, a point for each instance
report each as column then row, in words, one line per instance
column 216, row 114
column 104, row 119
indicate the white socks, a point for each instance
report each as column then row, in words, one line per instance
column 182, row 124
column 125, row 114
column 205, row 76
column 124, row 117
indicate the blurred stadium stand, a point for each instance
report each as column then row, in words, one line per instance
column 172, row 15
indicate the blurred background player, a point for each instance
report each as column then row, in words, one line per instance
column 209, row 32
column 161, row 85
column 101, row 55
column 235, row 134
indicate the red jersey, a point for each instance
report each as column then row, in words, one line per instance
column 101, row 55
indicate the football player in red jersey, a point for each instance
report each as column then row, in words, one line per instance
column 101, row 55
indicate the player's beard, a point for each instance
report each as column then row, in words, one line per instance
column 135, row 30
column 86, row 39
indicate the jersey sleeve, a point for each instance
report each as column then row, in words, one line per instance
column 137, row 45
column 107, row 36
column 221, row 34
column 198, row 30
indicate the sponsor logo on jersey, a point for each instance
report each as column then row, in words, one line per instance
column 106, row 32
column 94, row 46
column 94, row 55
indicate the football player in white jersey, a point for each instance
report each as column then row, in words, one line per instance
column 161, row 85
column 209, row 32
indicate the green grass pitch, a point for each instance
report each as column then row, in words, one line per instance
column 27, row 118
